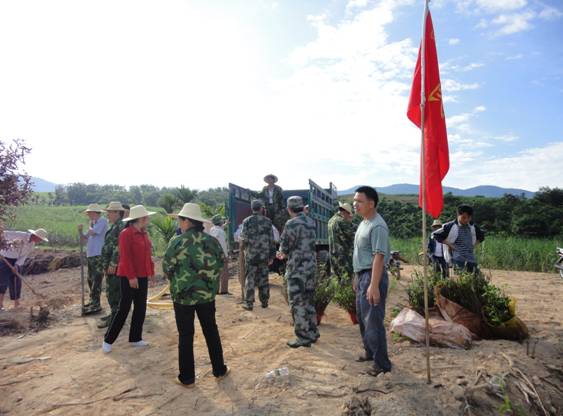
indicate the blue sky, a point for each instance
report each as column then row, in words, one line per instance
column 209, row 92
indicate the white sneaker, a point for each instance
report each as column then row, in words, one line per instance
column 106, row 348
column 140, row 343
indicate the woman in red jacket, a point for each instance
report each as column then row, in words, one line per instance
column 134, row 268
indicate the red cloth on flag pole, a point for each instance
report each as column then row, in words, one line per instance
column 436, row 155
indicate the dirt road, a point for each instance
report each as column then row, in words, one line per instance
column 62, row 371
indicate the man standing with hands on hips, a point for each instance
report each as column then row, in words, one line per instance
column 371, row 252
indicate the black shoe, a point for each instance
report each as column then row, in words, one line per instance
column 225, row 293
column 247, row 307
column 106, row 318
column 264, row 305
column 296, row 343
column 363, row 358
column 92, row 310
column 375, row 371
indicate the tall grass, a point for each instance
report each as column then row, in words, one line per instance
column 508, row 253
column 61, row 222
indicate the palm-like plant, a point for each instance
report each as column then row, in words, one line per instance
column 165, row 227
column 185, row 194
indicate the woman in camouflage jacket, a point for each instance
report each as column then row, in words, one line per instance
column 193, row 262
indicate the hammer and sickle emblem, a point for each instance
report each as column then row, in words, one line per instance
column 436, row 95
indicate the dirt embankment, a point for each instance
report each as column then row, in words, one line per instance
column 62, row 371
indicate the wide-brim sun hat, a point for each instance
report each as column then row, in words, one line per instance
column 41, row 233
column 271, row 175
column 138, row 211
column 192, row 211
column 94, row 208
column 437, row 223
column 115, row 206
column 346, row 207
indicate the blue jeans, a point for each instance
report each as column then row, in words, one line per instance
column 465, row 266
column 371, row 319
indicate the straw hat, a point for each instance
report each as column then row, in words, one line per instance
column 192, row 211
column 94, row 208
column 115, row 206
column 346, row 207
column 436, row 223
column 41, row 233
column 271, row 175
column 136, row 212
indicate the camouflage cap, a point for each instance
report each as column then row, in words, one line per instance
column 294, row 202
column 217, row 219
column 256, row 204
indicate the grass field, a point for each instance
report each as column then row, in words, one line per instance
column 509, row 253
column 61, row 222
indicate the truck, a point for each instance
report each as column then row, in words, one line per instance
column 322, row 204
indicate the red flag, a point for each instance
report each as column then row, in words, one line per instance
column 436, row 155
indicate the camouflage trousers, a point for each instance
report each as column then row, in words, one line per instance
column 95, row 278
column 113, row 292
column 301, row 295
column 257, row 276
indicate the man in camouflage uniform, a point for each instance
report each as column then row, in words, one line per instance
column 110, row 259
column 193, row 263
column 341, row 231
column 297, row 244
column 257, row 238
column 272, row 195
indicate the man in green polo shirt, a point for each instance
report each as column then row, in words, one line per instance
column 371, row 253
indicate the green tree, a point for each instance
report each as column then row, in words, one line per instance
column 185, row 194
column 168, row 201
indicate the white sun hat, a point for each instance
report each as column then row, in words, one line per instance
column 41, row 233
column 115, row 206
column 192, row 211
column 94, row 208
column 136, row 212
column 346, row 207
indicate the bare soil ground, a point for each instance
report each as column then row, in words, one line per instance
column 60, row 370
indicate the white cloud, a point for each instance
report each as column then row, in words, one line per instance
column 507, row 138
column 500, row 5
column 513, row 23
column 353, row 5
column 450, row 85
column 454, row 41
column 514, row 57
column 550, row 13
column 537, row 166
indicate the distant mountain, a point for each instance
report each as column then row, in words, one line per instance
column 483, row 190
column 41, row 185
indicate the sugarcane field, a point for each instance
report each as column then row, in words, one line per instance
column 265, row 207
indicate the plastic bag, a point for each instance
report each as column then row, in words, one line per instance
column 454, row 312
column 443, row 333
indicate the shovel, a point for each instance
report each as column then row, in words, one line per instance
column 81, row 272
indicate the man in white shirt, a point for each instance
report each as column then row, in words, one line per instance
column 19, row 244
column 218, row 231
column 95, row 237
column 437, row 252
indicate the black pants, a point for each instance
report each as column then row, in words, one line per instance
column 9, row 280
column 440, row 266
column 185, row 323
column 129, row 295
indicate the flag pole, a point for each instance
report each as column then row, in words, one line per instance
column 423, row 186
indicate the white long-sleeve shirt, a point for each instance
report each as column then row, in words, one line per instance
column 218, row 232
column 19, row 246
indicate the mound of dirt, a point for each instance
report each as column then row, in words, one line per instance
column 44, row 262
